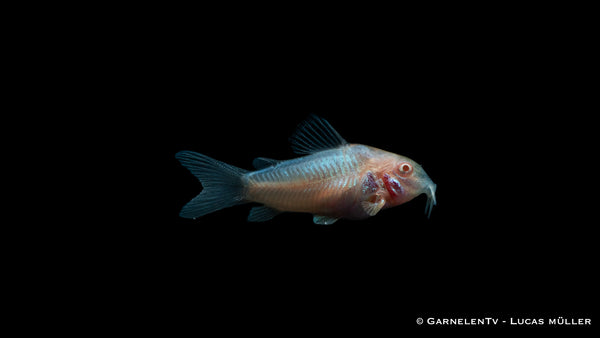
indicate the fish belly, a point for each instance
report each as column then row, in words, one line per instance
column 323, row 183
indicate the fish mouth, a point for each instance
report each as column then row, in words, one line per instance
column 430, row 192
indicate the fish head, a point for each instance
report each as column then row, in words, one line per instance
column 404, row 180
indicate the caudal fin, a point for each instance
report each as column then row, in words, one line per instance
column 222, row 184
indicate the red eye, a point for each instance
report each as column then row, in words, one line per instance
column 405, row 169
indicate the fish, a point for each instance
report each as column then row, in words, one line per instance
column 333, row 180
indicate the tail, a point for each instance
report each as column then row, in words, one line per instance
column 222, row 184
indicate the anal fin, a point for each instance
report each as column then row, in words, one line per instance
column 261, row 214
column 324, row 220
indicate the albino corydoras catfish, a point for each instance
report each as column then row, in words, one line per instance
column 335, row 179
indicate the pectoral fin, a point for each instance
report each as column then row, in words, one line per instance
column 373, row 205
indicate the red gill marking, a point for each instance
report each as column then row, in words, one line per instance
column 392, row 186
column 370, row 184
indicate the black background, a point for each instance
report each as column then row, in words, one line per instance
column 495, row 113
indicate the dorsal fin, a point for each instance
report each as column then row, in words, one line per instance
column 315, row 134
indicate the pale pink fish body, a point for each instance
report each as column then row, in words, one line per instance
column 335, row 180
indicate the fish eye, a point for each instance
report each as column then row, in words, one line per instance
column 405, row 169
